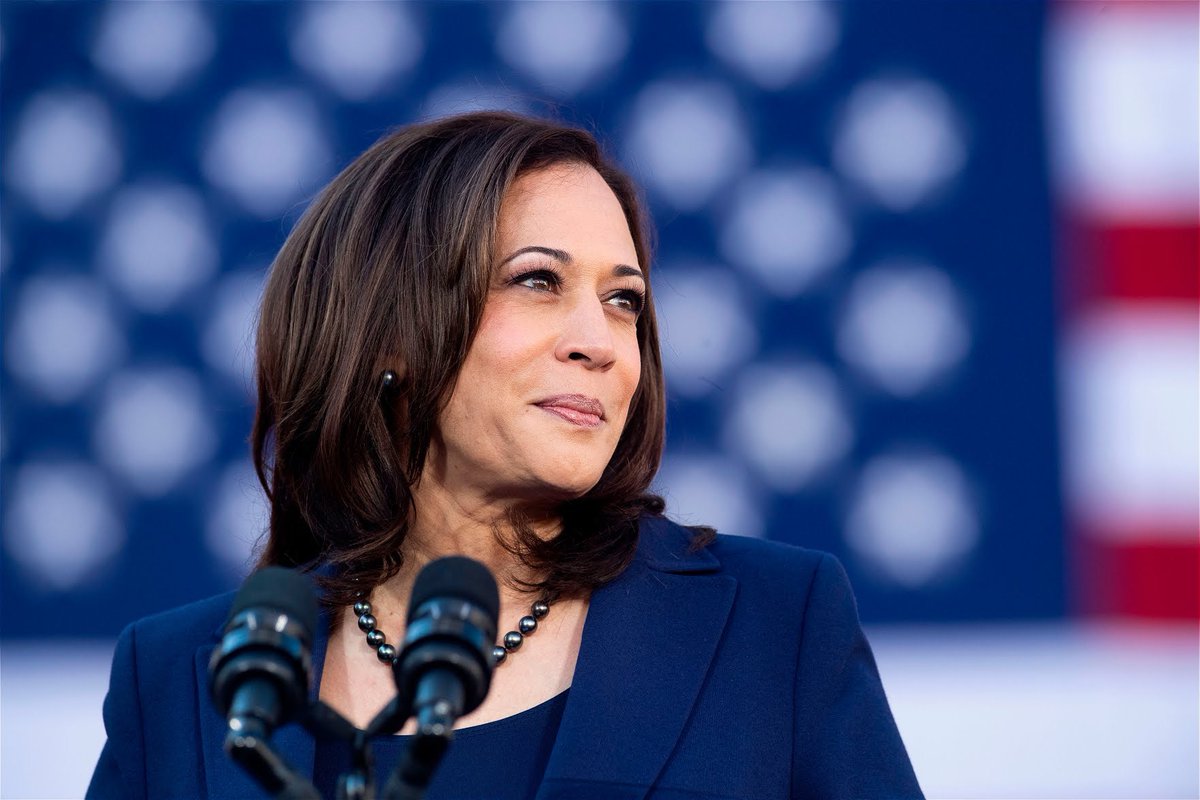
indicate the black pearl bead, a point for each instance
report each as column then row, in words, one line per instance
column 511, row 641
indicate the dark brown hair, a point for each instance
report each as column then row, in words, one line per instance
column 389, row 268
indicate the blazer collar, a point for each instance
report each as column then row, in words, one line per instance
column 649, row 638
column 647, row 643
column 667, row 547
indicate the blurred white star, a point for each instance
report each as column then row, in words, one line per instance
column 903, row 326
column 61, row 526
column 358, row 49
column 64, row 152
column 900, row 140
column 687, row 140
column 158, row 244
column 912, row 517
column 564, row 46
column 266, row 149
column 787, row 228
column 706, row 328
column 152, row 48
column 153, row 428
column 789, row 422
column 712, row 490
column 773, row 44
column 63, row 336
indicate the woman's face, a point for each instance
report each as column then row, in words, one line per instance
column 543, row 396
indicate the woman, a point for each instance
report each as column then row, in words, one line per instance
column 458, row 354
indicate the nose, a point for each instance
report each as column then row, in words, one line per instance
column 587, row 336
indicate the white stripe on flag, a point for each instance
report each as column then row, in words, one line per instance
column 1132, row 424
column 1122, row 93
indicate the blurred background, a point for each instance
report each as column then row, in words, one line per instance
column 928, row 276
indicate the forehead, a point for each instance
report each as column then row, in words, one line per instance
column 569, row 207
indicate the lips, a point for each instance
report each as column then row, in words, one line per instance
column 577, row 409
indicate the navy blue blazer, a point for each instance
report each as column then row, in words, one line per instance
column 739, row 671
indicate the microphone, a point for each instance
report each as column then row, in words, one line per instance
column 445, row 664
column 444, row 667
column 259, row 675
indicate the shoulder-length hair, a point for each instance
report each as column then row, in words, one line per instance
column 389, row 268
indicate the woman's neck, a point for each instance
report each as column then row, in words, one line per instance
column 458, row 523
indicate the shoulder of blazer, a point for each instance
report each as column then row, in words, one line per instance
column 666, row 546
column 779, row 584
column 189, row 626
column 194, row 624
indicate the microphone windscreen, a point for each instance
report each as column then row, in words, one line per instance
column 458, row 577
column 282, row 590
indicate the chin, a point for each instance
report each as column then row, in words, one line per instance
column 568, row 478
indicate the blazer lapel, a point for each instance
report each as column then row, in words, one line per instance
column 648, row 641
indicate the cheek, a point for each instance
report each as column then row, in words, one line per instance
column 631, row 370
column 500, row 348
column 509, row 334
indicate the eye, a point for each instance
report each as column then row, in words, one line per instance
column 540, row 280
column 631, row 300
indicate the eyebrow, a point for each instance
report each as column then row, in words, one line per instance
column 620, row 270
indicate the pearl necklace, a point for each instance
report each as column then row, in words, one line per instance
column 511, row 641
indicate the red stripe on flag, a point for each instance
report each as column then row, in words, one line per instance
column 1150, row 576
column 1115, row 261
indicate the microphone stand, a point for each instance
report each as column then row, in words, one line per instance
column 247, row 744
column 323, row 722
column 411, row 776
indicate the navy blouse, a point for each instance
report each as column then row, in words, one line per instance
column 500, row 760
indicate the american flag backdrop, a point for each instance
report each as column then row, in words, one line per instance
column 927, row 274
column 1125, row 130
